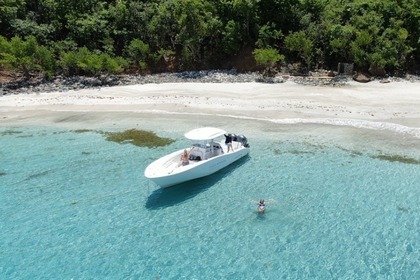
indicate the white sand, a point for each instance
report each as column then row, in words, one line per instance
column 355, row 104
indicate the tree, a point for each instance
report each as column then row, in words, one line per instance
column 29, row 27
column 299, row 43
column 198, row 26
column 10, row 10
column 91, row 29
column 340, row 41
column 411, row 22
column 232, row 40
column 391, row 51
column 268, row 35
column 138, row 52
column 280, row 15
column 247, row 14
column 371, row 34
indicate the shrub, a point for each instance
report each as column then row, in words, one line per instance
column 85, row 62
column 267, row 57
column 26, row 56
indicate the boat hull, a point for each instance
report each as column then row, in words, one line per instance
column 174, row 175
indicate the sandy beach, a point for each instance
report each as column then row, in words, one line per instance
column 394, row 105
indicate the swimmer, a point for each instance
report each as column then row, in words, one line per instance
column 261, row 206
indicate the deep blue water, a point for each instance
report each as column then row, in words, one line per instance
column 75, row 206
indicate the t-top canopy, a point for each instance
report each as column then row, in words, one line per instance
column 204, row 133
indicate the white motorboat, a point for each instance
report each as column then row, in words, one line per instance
column 206, row 155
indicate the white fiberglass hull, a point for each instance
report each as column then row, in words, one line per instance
column 167, row 170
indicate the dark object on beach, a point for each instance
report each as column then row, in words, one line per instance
column 361, row 78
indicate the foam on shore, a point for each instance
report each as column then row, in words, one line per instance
column 390, row 107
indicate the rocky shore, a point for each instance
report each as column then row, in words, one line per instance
column 63, row 84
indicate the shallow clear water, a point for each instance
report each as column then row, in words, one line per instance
column 73, row 205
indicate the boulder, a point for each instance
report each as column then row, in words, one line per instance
column 330, row 74
column 361, row 78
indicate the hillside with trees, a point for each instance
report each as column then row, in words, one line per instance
column 92, row 37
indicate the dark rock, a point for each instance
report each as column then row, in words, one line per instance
column 330, row 74
column 270, row 80
column 361, row 78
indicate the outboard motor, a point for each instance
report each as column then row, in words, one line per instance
column 242, row 139
column 239, row 138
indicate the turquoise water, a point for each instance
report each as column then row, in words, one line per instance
column 345, row 205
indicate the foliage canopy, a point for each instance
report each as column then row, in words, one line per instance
column 91, row 37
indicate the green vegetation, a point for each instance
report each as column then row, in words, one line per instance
column 139, row 138
column 267, row 58
column 94, row 37
column 85, row 62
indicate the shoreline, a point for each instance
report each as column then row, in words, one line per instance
column 375, row 105
column 64, row 84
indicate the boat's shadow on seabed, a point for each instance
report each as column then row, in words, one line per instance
column 162, row 198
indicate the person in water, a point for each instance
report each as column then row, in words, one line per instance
column 261, row 206
column 184, row 158
column 262, row 203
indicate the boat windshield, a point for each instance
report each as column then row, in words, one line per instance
column 199, row 145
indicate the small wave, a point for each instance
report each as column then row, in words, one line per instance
column 398, row 128
column 401, row 129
